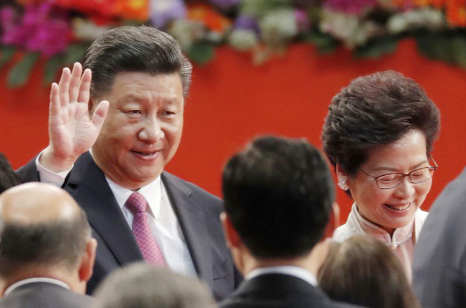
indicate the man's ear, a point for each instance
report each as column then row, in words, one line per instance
column 333, row 222
column 87, row 262
column 232, row 237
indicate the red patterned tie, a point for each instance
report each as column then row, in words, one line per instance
column 150, row 250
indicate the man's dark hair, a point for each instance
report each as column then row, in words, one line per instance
column 376, row 110
column 134, row 49
column 60, row 243
column 8, row 177
column 278, row 193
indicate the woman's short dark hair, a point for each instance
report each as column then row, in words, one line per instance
column 374, row 110
column 363, row 271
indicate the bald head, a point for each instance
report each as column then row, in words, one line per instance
column 40, row 226
column 37, row 203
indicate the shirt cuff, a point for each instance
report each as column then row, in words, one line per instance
column 48, row 176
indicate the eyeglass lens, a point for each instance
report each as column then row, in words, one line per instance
column 416, row 177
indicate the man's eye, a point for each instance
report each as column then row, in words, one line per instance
column 134, row 112
column 168, row 113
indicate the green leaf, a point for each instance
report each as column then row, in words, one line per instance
column 7, row 54
column 257, row 8
column 19, row 74
column 75, row 53
column 377, row 48
column 201, row 52
column 425, row 45
column 325, row 43
column 52, row 67
column 458, row 48
column 436, row 46
column 442, row 49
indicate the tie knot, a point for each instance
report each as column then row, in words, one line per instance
column 136, row 203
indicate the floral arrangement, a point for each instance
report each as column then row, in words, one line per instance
column 61, row 30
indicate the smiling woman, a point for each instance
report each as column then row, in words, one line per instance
column 378, row 135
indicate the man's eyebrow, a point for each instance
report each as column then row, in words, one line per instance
column 131, row 96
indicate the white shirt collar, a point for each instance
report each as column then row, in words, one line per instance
column 152, row 192
column 33, row 280
column 295, row 271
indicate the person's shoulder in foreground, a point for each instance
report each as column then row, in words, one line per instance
column 278, row 196
column 439, row 270
column 47, row 252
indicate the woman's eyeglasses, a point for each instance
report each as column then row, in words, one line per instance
column 392, row 180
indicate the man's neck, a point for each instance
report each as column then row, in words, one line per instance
column 310, row 262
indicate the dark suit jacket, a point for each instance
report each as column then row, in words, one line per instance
column 197, row 212
column 279, row 291
column 439, row 266
column 44, row 295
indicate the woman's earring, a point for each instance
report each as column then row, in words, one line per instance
column 342, row 183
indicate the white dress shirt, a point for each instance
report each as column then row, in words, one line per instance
column 162, row 219
column 294, row 271
column 34, row 280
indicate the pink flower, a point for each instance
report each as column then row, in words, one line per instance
column 42, row 28
column 349, row 6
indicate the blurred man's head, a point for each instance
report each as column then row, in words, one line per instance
column 278, row 196
column 44, row 233
column 145, row 286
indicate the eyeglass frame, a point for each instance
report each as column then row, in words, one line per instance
column 376, row 178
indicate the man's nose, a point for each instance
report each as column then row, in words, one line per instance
column 151, row 131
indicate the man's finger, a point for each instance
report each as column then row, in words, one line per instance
column 100, row 114
column 75, row 81
column 85, row 86
column 54, row 100
column 63, row 86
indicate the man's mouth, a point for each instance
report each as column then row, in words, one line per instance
column 399, row 207
column 145, row 154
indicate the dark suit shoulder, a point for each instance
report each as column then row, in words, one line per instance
column 209, row 200
column 439, row 266
column 44, row 295
column 279, row 291
column 28, row 172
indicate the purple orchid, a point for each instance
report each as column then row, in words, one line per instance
column 245, row 22
column 164, row 11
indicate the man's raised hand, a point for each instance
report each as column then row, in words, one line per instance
column 72, row 130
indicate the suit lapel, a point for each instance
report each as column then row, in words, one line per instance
column 191, row 219
column 87, row 184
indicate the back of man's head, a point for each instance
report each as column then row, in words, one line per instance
column 144, row 286
column 278, row 194
column 43, row 232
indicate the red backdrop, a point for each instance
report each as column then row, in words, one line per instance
column 232, row 101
